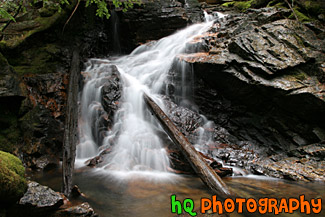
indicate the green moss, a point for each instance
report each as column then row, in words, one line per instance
column 299, row 75
column 240, row 5
column 243, row 5
column 280, row 5
column 228, row 4
column 301, row 17
column 12, row 178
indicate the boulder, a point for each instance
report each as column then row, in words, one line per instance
column 40, row 198
column 12, row 179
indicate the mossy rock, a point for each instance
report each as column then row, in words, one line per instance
column 13, row 184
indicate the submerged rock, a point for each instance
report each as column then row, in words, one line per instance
column 82, row 210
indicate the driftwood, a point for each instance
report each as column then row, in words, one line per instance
column 70, row 130
column 204, row 171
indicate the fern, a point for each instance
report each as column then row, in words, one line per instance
column 5, row 15
column 102, row 8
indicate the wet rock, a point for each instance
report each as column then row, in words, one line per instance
column 41, row 198
column 156, row 19
column 111, row 91
column 291, row 168
column 186, row 120
column 304, row 163
column 75, row 191
column 262, row 84
column 82, row 210
column 93, row 162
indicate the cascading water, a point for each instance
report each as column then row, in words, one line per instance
column 134, row 143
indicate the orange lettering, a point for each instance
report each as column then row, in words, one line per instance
column 304, row 204
column 263, row 205
column 240, row 202
column 215, row 204
column 272, row 204
column 205, row 204
column 283, row 205
column 229, row 205
column 316, row 207
column 251, row 205
column 291, row 207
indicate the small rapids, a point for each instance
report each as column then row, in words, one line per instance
column 134, row 141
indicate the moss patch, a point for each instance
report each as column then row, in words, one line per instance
column 301, row 17
column 36, row 60
column 240, row 5
column 12, row 178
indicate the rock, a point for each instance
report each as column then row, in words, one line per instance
column 262, row 84
column 39, row 199
column 75, row 191
column 291, row 168
column 111, row 91
column 82, row 210
column 12, row 179
column 156, row 19
column 304, row 163
column 8, row 79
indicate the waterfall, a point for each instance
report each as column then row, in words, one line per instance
column 115, row 26
column 133, row 139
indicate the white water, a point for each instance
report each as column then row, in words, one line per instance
column 133, row 138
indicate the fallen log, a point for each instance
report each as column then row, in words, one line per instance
column 204, row 171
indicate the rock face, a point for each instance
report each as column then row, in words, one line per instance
column 12, row 179
column 262, row 80
column 156, row 19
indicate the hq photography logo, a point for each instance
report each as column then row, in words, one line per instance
column 262, row 205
